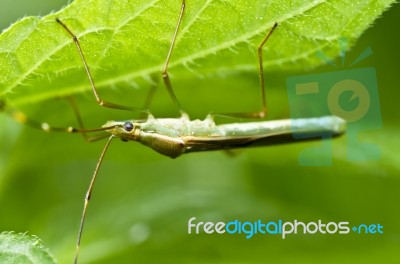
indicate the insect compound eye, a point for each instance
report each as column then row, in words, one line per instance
column 128, row 126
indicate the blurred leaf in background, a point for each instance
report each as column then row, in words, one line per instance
column 142, row 201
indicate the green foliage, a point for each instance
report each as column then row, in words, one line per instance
column 126, row 41
column 23, row 249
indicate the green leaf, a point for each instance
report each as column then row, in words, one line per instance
column 23, row 249
column 125, row 42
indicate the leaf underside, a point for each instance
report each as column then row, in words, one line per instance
column 126, row 42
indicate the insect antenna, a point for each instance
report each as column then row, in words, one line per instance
column 20, row 117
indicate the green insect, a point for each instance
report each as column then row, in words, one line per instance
column 177, row 136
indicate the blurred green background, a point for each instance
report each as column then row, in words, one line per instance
column 142, row 201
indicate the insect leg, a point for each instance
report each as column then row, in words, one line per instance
column 99, row 100
column 263, row 112
column 149, row 97
column 87, row 197
column 74, row 107
column 165, row 75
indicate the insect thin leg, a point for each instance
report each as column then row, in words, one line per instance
column 87, row 197
column 151, row 92
column 263, row 112
column 149, row 99
column 165, row 75
column 75, row 108
column 99, row 100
